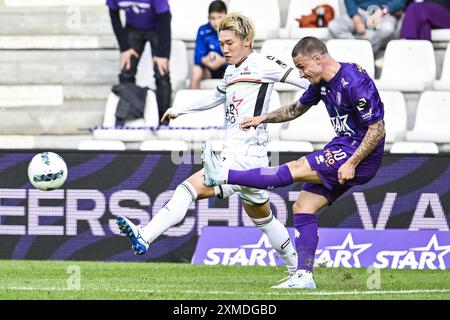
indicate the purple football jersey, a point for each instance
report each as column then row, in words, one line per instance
column 141, row 14
column 353, row 103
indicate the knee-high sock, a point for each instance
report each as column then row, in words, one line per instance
column 306, row 242
column 261, row 178
column 279, row 240
column 172, row 213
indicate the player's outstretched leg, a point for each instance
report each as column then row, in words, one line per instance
column 134, row 233
column 215, row 173
column 171, row 214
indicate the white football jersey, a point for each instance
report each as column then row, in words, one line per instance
column 246, row 91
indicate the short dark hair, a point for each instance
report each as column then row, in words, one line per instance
column 309, row 46
column 217, row 6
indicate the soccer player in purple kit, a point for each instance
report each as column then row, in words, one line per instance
column 351, row 158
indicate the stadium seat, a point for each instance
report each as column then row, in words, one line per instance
column 53, row 3
column 178, row 65
column 17, row 142
column 151, row 119
column 353, row 50
column 296, row 9
column 409, row 65
column 414, row 147
column 187, row 17
column 31, row 95
column 395, row 115
column 432, row 115
column 281, row 49
column 313, row 126
column 164, row 145
column 266, row 25
column 193, row 126
column 101, row 145
column 209, row 84
column 444, row 82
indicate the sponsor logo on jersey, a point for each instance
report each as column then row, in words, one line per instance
column 343, row 82
column 361, row 104
column 323, row 91
column 341, row 126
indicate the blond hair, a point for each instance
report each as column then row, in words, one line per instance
column 241, row 25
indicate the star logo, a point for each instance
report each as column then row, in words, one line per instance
column 263, row 242
column 349, row 245
column 434, row 246
column 340, row 124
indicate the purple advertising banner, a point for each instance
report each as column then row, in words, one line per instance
column 349, row 248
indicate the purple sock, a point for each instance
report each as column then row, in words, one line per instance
column 306, row 243
column 261, row 178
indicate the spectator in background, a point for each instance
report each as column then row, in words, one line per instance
column 422, row 16
column 209, row 62
column 376, row 15
column 146, row 20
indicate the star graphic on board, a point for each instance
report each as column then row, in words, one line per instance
column 434, row 246
column 348, row 244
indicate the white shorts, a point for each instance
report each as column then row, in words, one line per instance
column 243, row 162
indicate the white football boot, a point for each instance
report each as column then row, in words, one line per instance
column 214, row 173
column 129, row 229
column 301, row 279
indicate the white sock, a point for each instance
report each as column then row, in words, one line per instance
column 172, row 213
column 278, row 237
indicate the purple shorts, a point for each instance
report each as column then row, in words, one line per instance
column 327, row 163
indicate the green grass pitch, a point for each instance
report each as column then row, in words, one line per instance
column 163, row 281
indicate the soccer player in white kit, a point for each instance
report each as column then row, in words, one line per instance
column 245, row 90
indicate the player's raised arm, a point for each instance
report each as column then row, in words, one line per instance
column 286, row 113
column 216, row 98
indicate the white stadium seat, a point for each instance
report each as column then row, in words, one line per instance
column 432, row 115
column 409, row 65
column 296, row 9
column 195, row 123
column 353, row 50
column 101, row 145
column 164, row 145
column 313, row 126
column 31, row 95
column 17, row 142
column 444, row 82
column 178, row 66
column 281, row 49
column 265, row 15
column 187, row 17
column 151, row 119
column 395, row 116
column 414, row 147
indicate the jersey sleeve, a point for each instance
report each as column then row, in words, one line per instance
column 112, row 4
column 366, row 102
column 276, row 70
column 161, row 6
column 311, row 96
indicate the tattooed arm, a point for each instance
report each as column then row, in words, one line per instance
column 373, row 136
column 286, row 113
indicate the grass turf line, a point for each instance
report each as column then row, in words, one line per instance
column 108, row 280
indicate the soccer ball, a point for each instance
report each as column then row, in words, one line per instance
column 47, row 171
